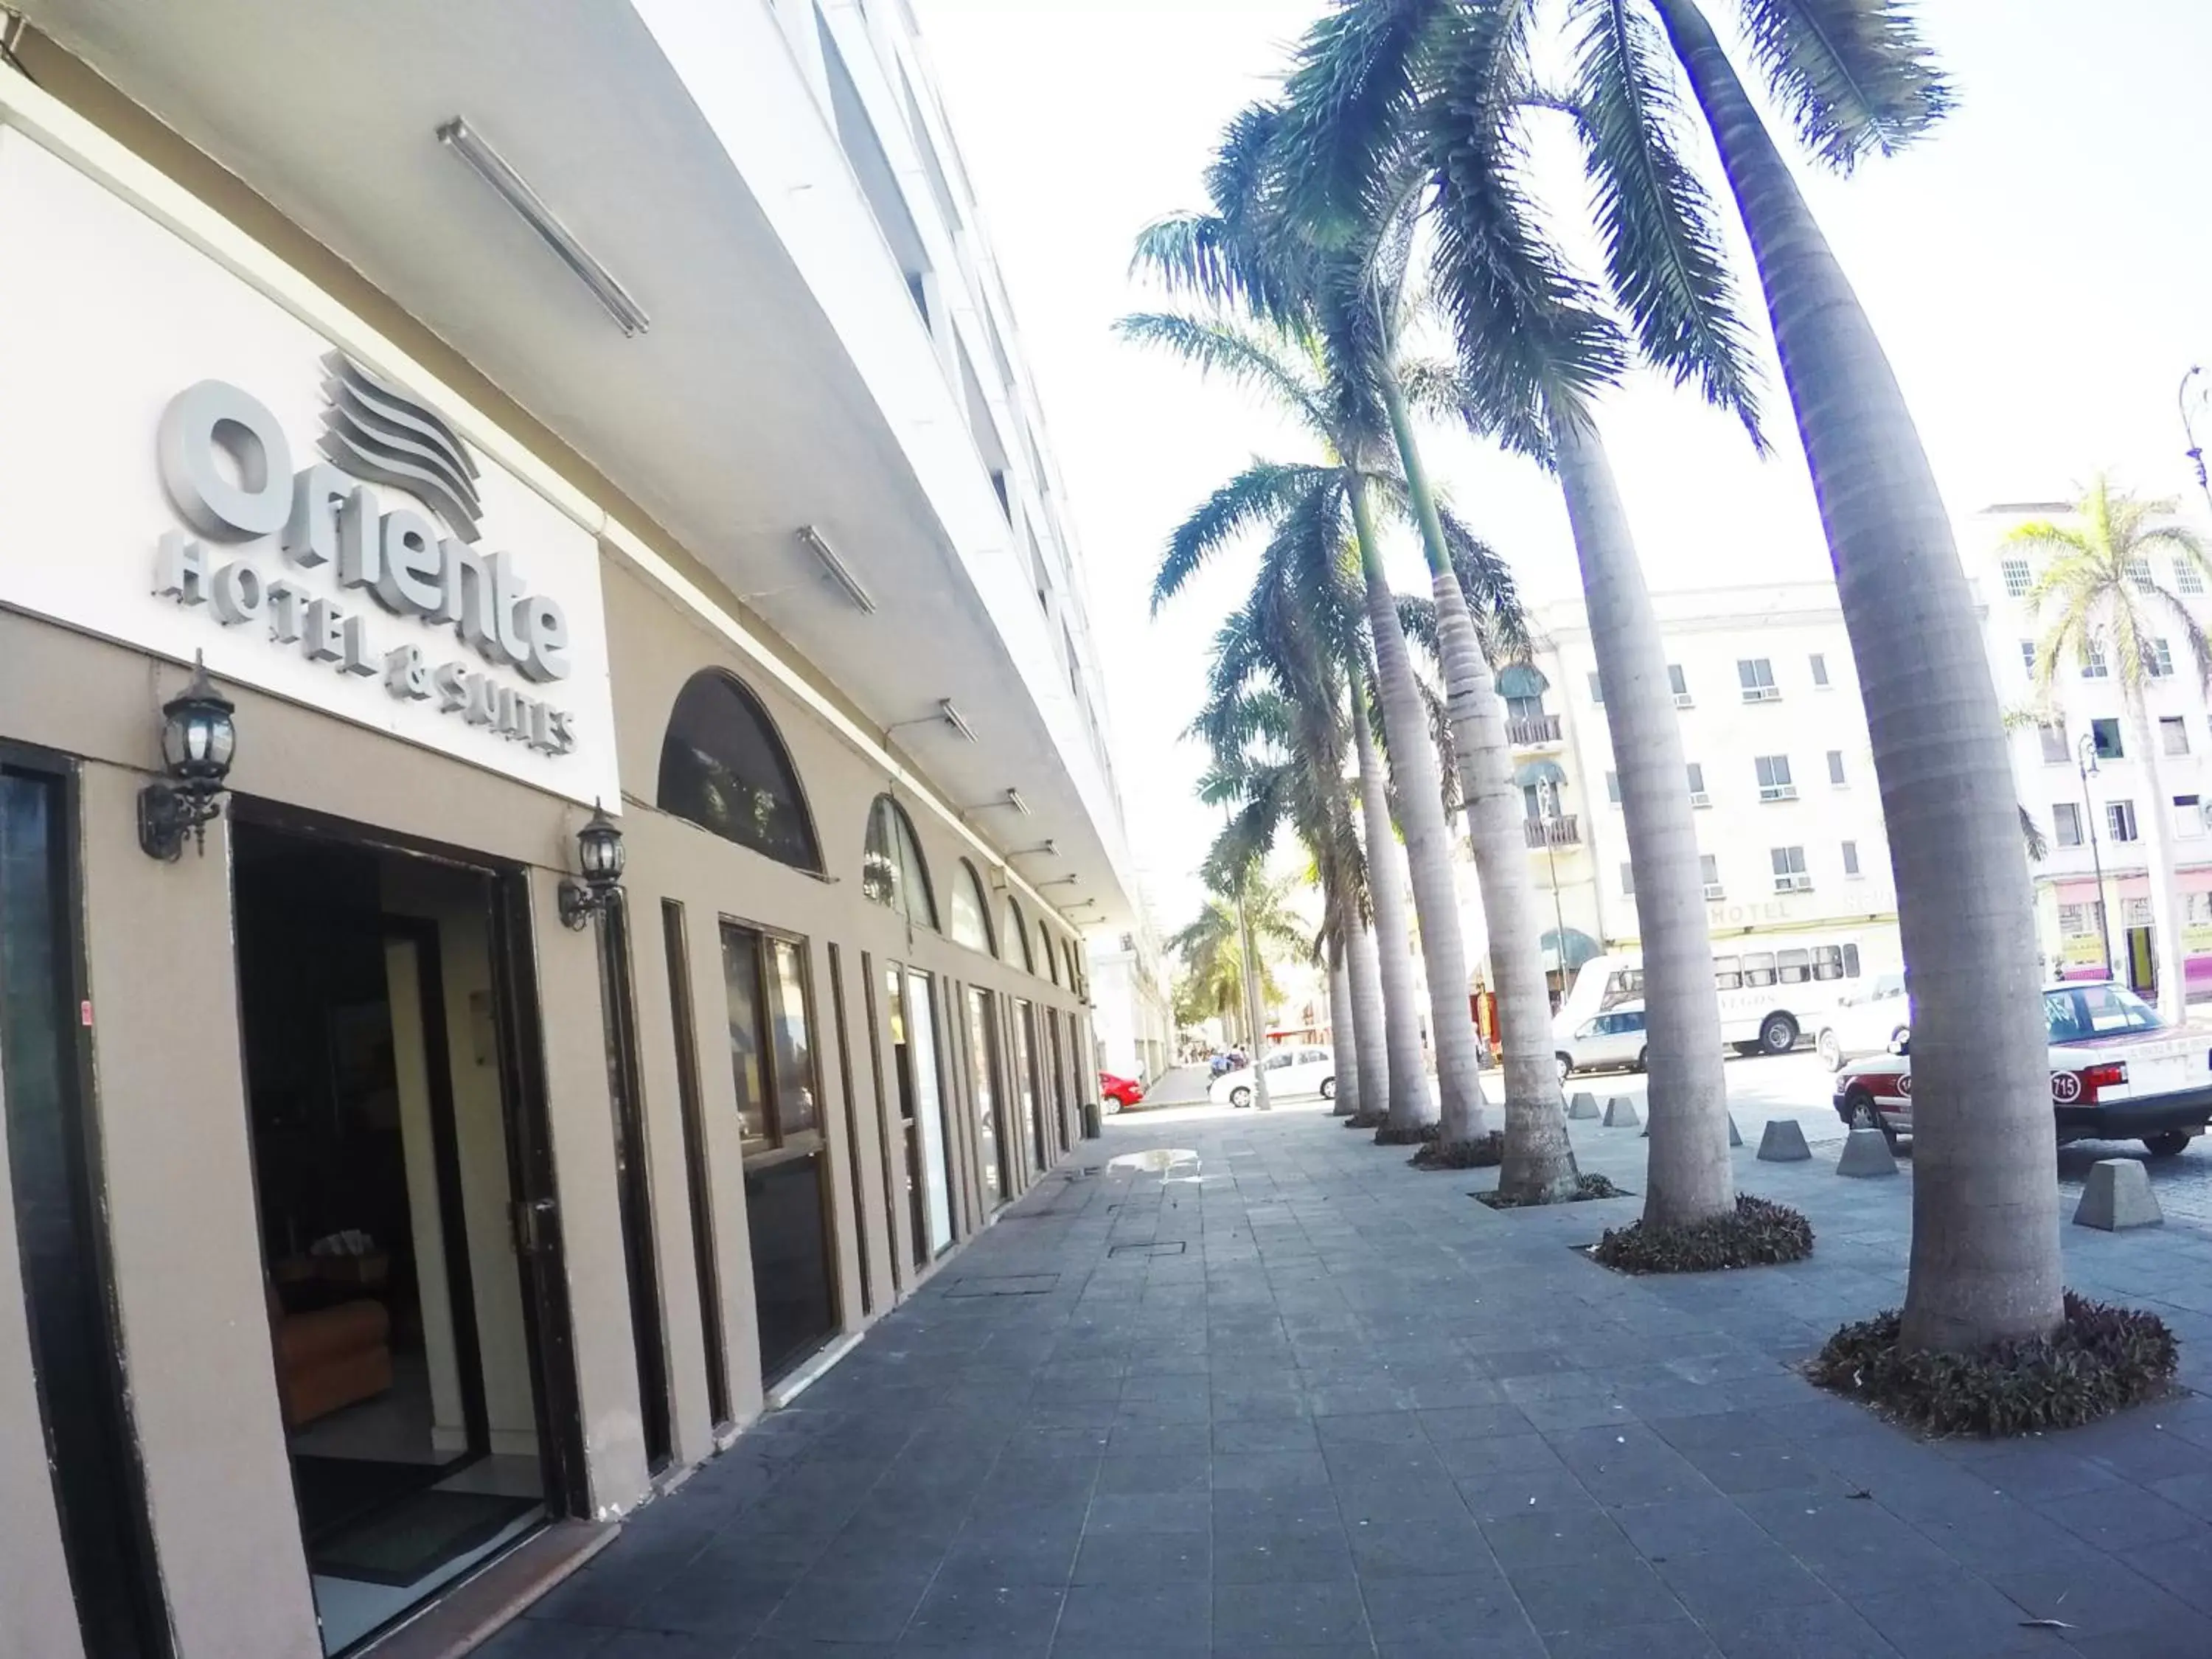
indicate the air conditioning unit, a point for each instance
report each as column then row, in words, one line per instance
column 1684, row 700
column 1793, row 883
column 1762, row 694
column 1714, row 889
column 1699, row 797
column 1777, row 791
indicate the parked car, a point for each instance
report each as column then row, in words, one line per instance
column 1611, row 1039
column 1115, row 1092
column 1290, row 1071
column 2117, row 1073
column 1865, row 1023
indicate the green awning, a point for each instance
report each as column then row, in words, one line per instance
column 1522, row 679
column 1529, row 774
column 1581, row 947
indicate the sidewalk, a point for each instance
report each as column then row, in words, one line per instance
column 1302, row 1401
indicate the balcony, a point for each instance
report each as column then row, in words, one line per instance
column 1563, row 831
column 1533, row 731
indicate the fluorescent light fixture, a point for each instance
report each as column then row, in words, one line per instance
column 1046, row 849
column 952, row 718
column 1058, row 881
column 837, row 570
column 489, row 165
column 1014, row 799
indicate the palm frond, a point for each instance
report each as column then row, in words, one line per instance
column 1263, row 493
column 2031, row 837
column 1266, row 361
column 1663, row 247
column 1854, row 76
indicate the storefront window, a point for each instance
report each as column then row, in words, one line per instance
column 969, row 915
column 796, row 1112
column 741, row 983
column 892, row 872
column 723, row 767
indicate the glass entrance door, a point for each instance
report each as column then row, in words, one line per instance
column 52, row 1167
column 984, row 1079
column 786, row 1204
column 910, row 994
column 1025, row 1079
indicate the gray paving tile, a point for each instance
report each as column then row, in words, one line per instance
column 974, row 1617
column 1102, row 1620
column 1279, row 1617
column 1144, row 1557
column 1441, row 1609
column 1740, row 1579
column 1962, row 1620
column 1811, row 1630
column 2122, row 1517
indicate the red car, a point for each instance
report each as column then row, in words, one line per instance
column 1119, row 1092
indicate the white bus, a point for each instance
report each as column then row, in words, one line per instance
column 1774, row 989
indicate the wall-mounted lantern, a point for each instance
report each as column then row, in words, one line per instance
column 599, row 856
column 199, row 737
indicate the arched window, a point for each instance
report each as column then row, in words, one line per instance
column 892, row 873
column 723, row 767
column 1017, row 936
column 1051, row 956
column 970, row 916
column 1074, row 973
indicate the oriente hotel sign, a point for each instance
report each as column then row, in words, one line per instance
column 405, row 597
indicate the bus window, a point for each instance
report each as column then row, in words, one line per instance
column 1797, row 966
column 1621, row 985
column 1851, row 962
column 1827, row 961
column 1728, row 974
column 1759, row 968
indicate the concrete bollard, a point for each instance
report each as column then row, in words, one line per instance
column 2117, row 1194
column 1783, row 1142
column 1621, row 1113
column 1736, row 1135
column 1583, row 1105
column 1866, row 1154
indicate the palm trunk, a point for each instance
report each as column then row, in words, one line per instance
column 1689, row 1178
column 1420, row 793
column 1342, row 1038
column 1406, row 1097
column 2171, row 958
column 1253, row 1017
column 1539, row 1163
column 1367, row 1024
column 1985, row 1263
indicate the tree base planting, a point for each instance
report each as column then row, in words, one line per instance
column 1365, row 1119
column 1759, row 1234
column 1586, row 1186
column 1483, row 1152
column 2102, row 1359
column 1418, row 1135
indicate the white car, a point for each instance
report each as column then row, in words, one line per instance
column 1866, row 1024
column 1290, row 1071
column 2117, row 1073
column 1613, row 1039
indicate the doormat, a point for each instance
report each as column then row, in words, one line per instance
column 1004, row 1285
column 336, row 1491
column 408, row 1541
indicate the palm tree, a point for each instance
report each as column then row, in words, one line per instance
column 1287, row 364
column 1355, row 300
column 2102, row 598
column 1392, row 97
column 1226, row 948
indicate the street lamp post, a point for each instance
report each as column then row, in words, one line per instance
column 2196, row 451
column 1547, row 793
column 2084, row 762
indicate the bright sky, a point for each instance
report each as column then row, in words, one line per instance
column 2039, row 271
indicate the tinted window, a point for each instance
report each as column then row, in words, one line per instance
column 891, row 870
column 723, row 767
column 2092, row 1011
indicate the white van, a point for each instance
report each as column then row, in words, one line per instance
column 1773, row 990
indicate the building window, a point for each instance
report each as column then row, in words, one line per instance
column 892, row 873
column 2107, row 734
column 2080, row 921
column 2159, row 660
column 1774, row 778
column 2188, row 578
column 723, row 767
column 1709, row 867
column 1015, row 936
column 970, row 913
column 2053, row 734
column 2138, row 912
column 2139, row 574
column 2016, row 579
column 2173, row 734
column 1597, row 690
column 2120, row 819
column 2197, row 909
column 2066, row 823
column 2092, row 660
column 1836, row 768
column 1613, row 787
column 1819, row 665
column 1850, row 857
column 1697, row 796
column 1790, row 872
column 2188, row 818
column 2027, row 657
column 1756, row 675
column 1628, row 879
column 1679, row 685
